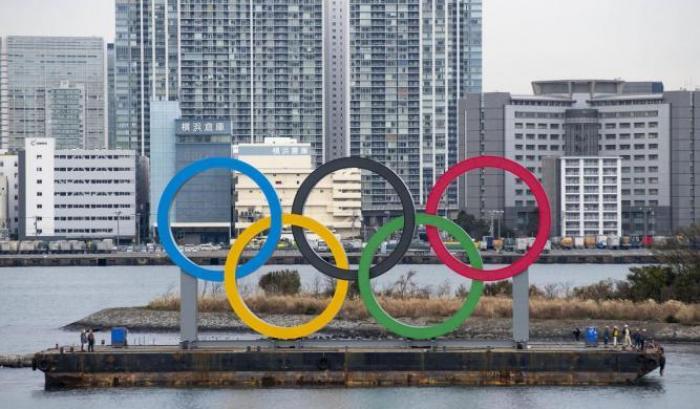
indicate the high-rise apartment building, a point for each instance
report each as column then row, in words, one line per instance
column 111, row 98
column 655, row 134
column 410, row 62
column 38, row 75
column 257, row 64
column 336, row 71
column 146, row 66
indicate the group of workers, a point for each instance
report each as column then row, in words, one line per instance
column 627, row 338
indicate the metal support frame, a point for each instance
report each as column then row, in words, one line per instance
column 188, row 310
column 521, row 309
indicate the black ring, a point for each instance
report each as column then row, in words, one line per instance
column 409, row 214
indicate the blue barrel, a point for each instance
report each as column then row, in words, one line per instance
column 591, row 337
column 119, row 336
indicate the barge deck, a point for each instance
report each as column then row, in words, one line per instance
column 247, row 364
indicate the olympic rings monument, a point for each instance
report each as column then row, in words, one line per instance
column 286, row 356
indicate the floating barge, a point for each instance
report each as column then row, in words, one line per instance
column 327, row 364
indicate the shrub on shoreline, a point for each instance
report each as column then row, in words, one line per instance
column 435, row 309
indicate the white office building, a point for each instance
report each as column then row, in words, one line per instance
column 590, row 190
column 76, row 193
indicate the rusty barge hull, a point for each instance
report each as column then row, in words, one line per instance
column 334, row 368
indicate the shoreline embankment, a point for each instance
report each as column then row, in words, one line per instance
column 142, row 319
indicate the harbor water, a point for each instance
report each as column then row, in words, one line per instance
column 36, row 302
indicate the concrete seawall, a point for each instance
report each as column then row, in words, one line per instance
column 290, row 257
column 348, row 367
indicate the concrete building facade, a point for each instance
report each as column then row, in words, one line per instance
column 65, row 115
column 410, row 62
column 35, row 73
column 335, row 201
column 211, row 190
column 76, row 193
column 635, row 121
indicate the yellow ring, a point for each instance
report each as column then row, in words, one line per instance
column 256, row 323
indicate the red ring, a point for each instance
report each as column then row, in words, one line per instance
column 537, row 190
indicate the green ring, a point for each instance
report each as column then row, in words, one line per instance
column 398, row 327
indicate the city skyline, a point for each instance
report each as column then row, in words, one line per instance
column 627, row 21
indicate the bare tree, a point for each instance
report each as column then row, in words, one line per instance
column 405, row 285
column 444, row 290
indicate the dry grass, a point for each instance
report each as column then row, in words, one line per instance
column 436, row 308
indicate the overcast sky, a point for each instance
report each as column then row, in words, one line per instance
column 524, row 40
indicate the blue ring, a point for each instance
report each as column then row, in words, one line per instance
column 166, row 236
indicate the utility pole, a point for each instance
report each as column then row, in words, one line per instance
column 492, row 217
